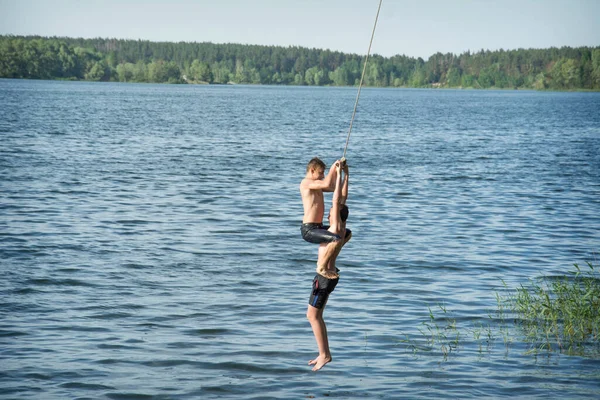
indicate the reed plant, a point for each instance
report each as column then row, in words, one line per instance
column 439, row 332
column 559, row 313
column 442, row 331
column 549, row 314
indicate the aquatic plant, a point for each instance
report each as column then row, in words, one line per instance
column 446, row 335
column 438, row 332
column 549, row 314
column 559, row 313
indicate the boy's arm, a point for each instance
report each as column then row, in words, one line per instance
column 330, row 179
column 327, row 184
column 344, row 195
column 335, row 201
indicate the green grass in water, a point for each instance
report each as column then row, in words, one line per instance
column 550, row 314
column 560, row 313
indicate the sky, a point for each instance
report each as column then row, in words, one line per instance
column 416, row 28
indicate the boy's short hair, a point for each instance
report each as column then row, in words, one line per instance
column 344, row 212
column 315, row 163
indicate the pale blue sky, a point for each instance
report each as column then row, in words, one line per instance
column 417, row 28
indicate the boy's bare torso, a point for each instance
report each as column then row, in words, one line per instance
column 312, row 200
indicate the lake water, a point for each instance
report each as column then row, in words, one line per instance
column 150, row 244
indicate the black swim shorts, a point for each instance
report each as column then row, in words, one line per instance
column 321, row 289
column 318, row 233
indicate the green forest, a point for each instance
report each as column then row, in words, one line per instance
column 36, row 57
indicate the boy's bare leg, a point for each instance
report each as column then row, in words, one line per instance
column 347, row 238
column 336, row 253
column 330, row 251
column 333, row 270
column 315, row 317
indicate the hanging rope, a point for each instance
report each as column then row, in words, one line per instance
column 362, row 77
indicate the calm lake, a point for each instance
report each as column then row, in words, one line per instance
column 150, row 239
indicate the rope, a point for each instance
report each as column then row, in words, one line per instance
column 362, row 77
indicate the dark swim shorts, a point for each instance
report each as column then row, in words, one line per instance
column 318, row 233
column 321, row 289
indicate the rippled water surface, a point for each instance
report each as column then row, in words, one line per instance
column 150, row 244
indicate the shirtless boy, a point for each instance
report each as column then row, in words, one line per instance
column 311, row 188
column 324, row 283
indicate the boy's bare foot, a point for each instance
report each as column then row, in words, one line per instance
column 327, row 273
column 331, row 275
column 319, row 362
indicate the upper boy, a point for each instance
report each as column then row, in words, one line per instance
column 311, row 188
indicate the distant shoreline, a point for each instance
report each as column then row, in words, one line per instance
column 116, row 60
column 324, row 87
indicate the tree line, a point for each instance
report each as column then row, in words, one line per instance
column 99, row 59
